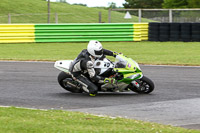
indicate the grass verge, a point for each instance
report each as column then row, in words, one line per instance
column 21, row 12
column 50, row 121
column 167, row 53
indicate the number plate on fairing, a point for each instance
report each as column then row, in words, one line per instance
column 103, row 65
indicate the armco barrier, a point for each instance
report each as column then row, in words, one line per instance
column 10, row 33
column 17, row 33
column 185, row 32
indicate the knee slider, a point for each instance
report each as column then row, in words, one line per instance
column 93, row 89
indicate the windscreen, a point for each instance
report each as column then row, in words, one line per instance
column 120, row 62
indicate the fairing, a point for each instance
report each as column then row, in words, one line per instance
column 128, row 67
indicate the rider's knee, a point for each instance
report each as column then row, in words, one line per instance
column 93, row 89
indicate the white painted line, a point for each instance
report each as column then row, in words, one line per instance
column 23, row 108
column 1, row 106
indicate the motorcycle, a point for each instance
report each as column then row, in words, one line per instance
column 126, row 72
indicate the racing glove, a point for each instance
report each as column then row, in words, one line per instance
column 109, row 80
column 115, row 54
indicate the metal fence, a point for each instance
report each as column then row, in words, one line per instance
column 92, row 17
column 36, row 18
column 158, row 15
column 112, row 16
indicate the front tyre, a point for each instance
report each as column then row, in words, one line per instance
column 146, row 86
column 65, row 80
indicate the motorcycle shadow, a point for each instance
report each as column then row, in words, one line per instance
column 100, row 94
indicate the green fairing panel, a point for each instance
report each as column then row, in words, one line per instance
column 127, row 73
column 129, row 70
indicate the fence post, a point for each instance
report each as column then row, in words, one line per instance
column 56, row 18
column 48, row 4
column 99, row 17
column 109, row 15
column 140, row 15
column 170, row 16
column 9, row 18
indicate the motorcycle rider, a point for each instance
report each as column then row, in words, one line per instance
column 84, row 64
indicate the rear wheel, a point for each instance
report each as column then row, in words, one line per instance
column 146, row 86
column 65, row 80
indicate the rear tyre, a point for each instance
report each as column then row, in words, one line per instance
column 146, row 86
column 65, row 81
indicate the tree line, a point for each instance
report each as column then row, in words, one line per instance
column 162, row 4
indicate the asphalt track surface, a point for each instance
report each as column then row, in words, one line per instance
column 175, row 101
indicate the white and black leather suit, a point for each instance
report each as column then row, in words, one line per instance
column 82, row 66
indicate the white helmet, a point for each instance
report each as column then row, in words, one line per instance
column 95, row 48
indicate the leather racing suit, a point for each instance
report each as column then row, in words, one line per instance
column 82, row 66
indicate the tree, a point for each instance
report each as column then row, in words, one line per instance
column 80, row 4
column 175, row 3
column 194, row 3
column 143, row 3
column 112, row 5
column 62, row 1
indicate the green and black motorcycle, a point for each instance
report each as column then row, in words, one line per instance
column 127, row 73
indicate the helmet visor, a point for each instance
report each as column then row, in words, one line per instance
column 100, row 52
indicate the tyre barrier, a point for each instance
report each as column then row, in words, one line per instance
column 164, row 32
column 153, row 33
column 174, row 32
column 19, row 33
column 185, row 32
column 195, row 32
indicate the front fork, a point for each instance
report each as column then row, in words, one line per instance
column 137, row 83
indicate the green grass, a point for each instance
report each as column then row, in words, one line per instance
column 73, row 13
column 168, row 53
column 18, row 120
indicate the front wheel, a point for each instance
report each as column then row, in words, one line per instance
column 145, row 86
